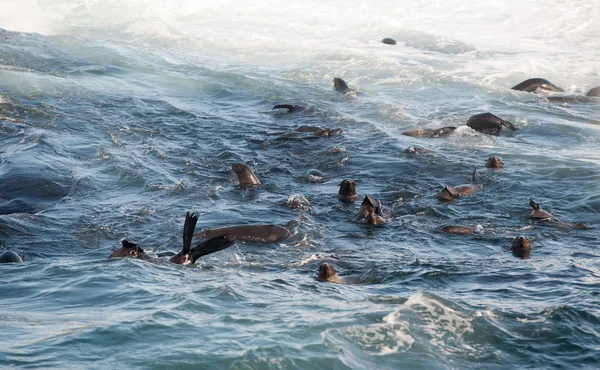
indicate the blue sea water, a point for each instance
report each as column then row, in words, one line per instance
column 116, row 118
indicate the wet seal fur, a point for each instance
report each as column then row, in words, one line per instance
column 494, row 162
column 245, row 174
column 539, row 214
column 340, row 85
column 457, row 229
column 371, row 211
column 417, row 150
column 488, row 123
column 430, row 132
column 521, row 247
column 10, row 257
column 328, row 274
column 449, row 192
column 388, row 41
column 537, row 84
column 248, row 233
column 347, row 192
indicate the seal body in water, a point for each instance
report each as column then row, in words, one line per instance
column 494, row 162
column 328, row 132
column 328, row 274
column 340, row 85
column 539, row 214
column 460, row 230
column 290, row 107
column 536, row 84
column 488, row 123
column 389, row 41
column 430, row 132
column 417, row 150
column 450, row 192
column 245, row 174
column 10, row 257
column 521, row 247
column 188, row 255
column 249, row 233
column 594, row 92
column 371, row 211
column 347, row 192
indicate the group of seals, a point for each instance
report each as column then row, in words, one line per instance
column 535, row 85
column 188, row 255
column 486, row 123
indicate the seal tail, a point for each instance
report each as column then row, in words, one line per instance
column 534, row 205
column 211, row 246
column 188, row 231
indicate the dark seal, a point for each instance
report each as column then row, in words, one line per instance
column 347, row 192
column 453, row 192
column 328, row 274
column 389, row 41
column 488, row 123
column 340, row 85
column 494, row 162
column 430, row 132
column 248, row 233
column 594, row 92
column 521, row 247
column 371, row 211
column 537, row 84
column 245, row 174
column 10, row 257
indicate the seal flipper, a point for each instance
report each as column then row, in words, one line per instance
column 475, row 176
column 534, row 205
column 211, row 246
column 188, row 231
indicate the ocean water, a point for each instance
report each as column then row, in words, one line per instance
column 118, row 117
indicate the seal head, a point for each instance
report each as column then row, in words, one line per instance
column 245, row 174
column 128, row 249
column 347, row 192
column 340, row 85
column 494, row 162
column 327, row 273
column 537, row 84
column 594, row 92
column 521, row 247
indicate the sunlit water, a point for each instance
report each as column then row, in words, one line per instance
column 119, row 117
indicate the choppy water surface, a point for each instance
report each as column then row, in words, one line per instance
column 118, row 118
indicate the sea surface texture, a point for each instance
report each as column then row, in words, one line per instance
column 118, row 117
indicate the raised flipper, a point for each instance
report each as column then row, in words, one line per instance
column 211, row 246
column 188, row 231
column 534, row 205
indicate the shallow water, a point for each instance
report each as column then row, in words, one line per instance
column 118, row 118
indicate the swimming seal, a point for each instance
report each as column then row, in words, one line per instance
column 298, row 202
column 128, row 249
column 314, row 175
column 488, row 123
column 449, row 192
column 417, row 150
column 10, row 257
column 289, row 107
column 536, row 84
column 340, row 85
column 371, row 211
column 319, row 131
column 347, row 192
column 521, row 247
column 594, row 92
column 430, row 132
column 389, row 41
column 328, row 274
column 539, row 213
column 245, row 174
column 249, row 233
column 188, row 255
column 457, row 229
column 494, row 162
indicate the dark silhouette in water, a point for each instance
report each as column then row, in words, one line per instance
column 488, row 123
column 450, row 192
column 536, row 84
column 340, row 85
column 188, row 255
column 347, row 192
column 245, row 174
column 10, row 257
column 389, row 41
column 328, row 274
